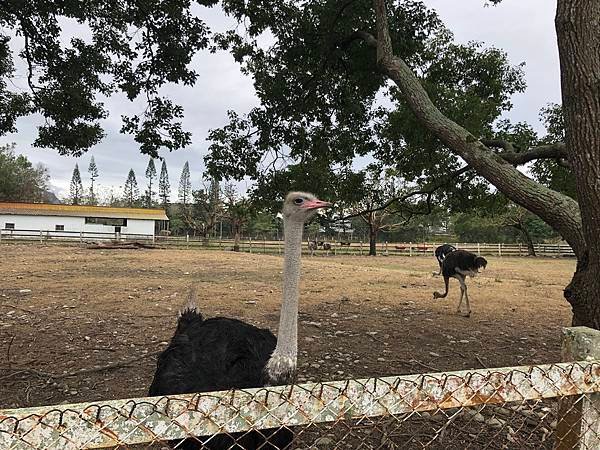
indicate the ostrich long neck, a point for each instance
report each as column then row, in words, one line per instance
column 287, row 336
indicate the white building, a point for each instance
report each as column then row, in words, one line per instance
column 31, row 218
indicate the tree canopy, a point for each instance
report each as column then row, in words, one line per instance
column 20, row 180
column 123, row 47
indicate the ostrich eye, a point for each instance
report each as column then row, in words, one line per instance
column 299, row 201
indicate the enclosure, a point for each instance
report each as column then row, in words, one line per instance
column 82, row 325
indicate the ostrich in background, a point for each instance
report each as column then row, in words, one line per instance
column 221, row 353
column 441, row 252
column 459, row 264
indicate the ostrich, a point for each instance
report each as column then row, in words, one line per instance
column 312, row 246
column 441, row 252
column 221, row 353
column 458, row 264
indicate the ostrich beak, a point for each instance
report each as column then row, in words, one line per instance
column 315, row 204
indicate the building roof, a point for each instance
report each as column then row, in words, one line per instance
column 46, row 209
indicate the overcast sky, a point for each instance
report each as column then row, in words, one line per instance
column 524, row 29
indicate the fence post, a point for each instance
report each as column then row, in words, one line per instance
column 500, row 249
column 386, row 248
column 361, row 249
column 187, row 241
column 520, row 249
column 410, row 249
column 578, row 424
column 41, row 237
column 81, row 237
column 250, row 243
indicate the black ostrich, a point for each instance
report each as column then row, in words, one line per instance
column 221, row 353
column 441, row 252
column 458, row 264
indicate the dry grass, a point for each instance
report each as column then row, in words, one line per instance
column 359, row 317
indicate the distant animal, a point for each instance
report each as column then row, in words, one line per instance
column 325, row 245
column 441, row 252
column 222, row 353
column 459, row 264
column 345, row 243
column 312, row 247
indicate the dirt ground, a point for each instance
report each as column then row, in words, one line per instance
column 359, row 316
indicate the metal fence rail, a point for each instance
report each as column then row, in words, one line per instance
column 514, row 407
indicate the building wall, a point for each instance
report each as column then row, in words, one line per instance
column 43, row 223
column 76, row 224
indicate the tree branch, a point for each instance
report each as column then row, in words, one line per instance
column 510, row 154
column 429, row 191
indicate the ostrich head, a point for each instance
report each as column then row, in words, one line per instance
column 301, row 206
column 480, row 262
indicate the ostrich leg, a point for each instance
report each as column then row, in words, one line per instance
column 463, row 292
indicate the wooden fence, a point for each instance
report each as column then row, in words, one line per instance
column 252, row 245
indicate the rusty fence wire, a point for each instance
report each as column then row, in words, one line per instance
column 542, row 406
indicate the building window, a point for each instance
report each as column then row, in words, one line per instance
column 106, row 221
column 9, row 226
column 59, row 228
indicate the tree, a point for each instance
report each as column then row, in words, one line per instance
column 208, row 207
column 131, row 192
column 164, row 187
column 93, row 171
column 150, row 175
column 76, row 189
column 239, row 211
column 185, row 186
column 130, row 50
column 20, row 180
column 379, row 188
column 335, row 59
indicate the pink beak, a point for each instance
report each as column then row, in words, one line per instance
column 314, row 204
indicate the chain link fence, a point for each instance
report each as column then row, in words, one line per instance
column 543, row 406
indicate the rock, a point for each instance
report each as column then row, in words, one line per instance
column 434, row 354
column 325, row 442
column 24, row 291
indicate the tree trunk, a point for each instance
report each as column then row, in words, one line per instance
column 523, row 229
column 236, row 238
column 372, row 240
column 579, row 49
column 530, row 246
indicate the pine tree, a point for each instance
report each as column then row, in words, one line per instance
column 76, row 190
column 164, row 187
column 150, row 175
column 93, row 171
column 185, row 185
column 131, row 193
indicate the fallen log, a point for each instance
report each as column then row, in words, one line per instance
column 120, row 245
